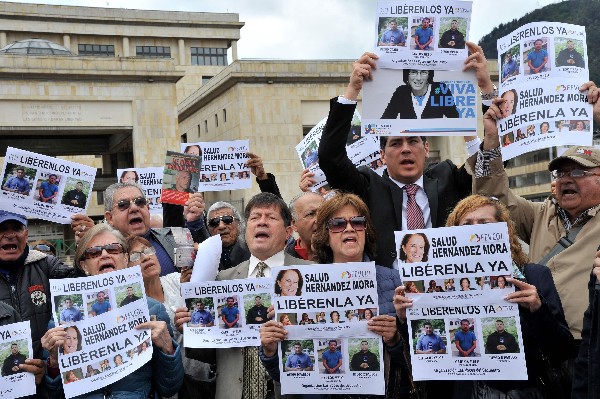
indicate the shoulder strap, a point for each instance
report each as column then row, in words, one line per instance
column 562, row 244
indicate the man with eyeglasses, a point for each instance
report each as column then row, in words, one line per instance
column 24, row 283
column 224, row 220
column 562, row 232
column 304, row 209
column 126, row 209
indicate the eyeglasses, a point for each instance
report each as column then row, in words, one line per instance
column 575, row 173
column 336, row 225
column 135, row 256
column 94, row 252
column 227, row 219
column 124, row 204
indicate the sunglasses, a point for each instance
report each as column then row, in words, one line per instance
column 124, row 204
column 94, row 252
column 214, row 222
column 337, row 225
column 135, row 256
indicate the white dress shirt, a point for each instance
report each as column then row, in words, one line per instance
column 273, row 261
column 421, row 199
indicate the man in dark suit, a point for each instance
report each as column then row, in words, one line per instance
column 268, row 226
column 440, row 186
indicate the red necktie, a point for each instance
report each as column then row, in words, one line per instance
column 414, row 213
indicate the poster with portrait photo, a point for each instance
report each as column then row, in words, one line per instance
column 446, row 262
column 361, row 150
column 422, row 34
column 538, row 115
column 49, row 180
column 223, row 164
column 151, row 181
column 181, row 175
column 15, row 347
column 230, row 313
column 510, row 64
column 396, row 101
column 449, row 339
column 329, row 364
column 96, row 341
column 544, row 50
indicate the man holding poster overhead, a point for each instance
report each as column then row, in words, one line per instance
column 433, row 191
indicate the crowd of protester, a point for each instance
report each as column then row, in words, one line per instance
column 558, row 315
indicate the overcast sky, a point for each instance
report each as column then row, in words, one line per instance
column 311, row 29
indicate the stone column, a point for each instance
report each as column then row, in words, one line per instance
column 3, row 39
column 125, row 47
column 181, row 47
column 234, row 55
column 67, row 42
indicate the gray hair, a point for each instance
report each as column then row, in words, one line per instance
column 222, row 205
column 292, row 204
column 109, row 193
column 93, row 232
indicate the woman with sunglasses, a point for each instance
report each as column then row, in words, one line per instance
column 345, row 234
column 543, row 325
column 103, row 249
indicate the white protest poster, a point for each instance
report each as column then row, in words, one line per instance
column 396, row 101
column 100, row 314
column 223, row 164
column 465, row 339
column 325, row 309
column 15, row 347
column 543, row 50
column 151, row 181
column 461, row 262
column 460, row 326
column 544, row 114
column 362, row 151
column 226, row 314
column 43, row 187
column 422, row 34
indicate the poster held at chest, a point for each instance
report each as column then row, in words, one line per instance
column 38, row 186
column 99, row 314
column 460, row 326
column 226, row 314
column 15, row 347
column 325, row 310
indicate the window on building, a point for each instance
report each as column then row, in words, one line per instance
column 209, row 56
column 216, row 120
column 205, row 126
column 206, row 79
column 543, row 155
column 199, row 130
column 530, row 179
column 184, row 138
column 100, row 197
column 305, row 130
column 224, row 115
column 153, row 51
column 100, row 50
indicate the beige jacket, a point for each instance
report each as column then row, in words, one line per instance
column 539, row 225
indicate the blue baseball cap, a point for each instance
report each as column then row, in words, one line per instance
column 5, row 215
